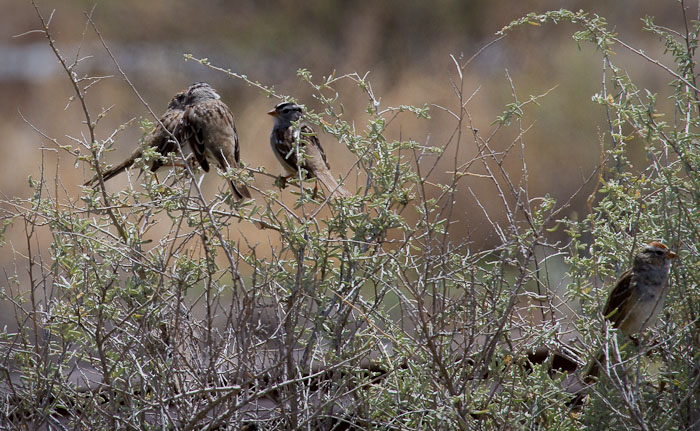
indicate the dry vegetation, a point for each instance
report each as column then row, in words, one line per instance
column 165, row 304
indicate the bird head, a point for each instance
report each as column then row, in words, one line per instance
column 200, row 91
column 286, row 112
column 656, row 253
column 178, row 101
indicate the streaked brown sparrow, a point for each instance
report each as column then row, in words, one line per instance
column 282, row 139
column 638, row 296
column 209, row 128
column 161, row 138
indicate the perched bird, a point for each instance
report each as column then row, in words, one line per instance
column 209, row 128
column 282, row 141
column 161, row 138
column 638, row 296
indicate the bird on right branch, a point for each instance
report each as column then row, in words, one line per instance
column 638, row 296
column 282, row 140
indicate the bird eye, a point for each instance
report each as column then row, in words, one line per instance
column 659, row 252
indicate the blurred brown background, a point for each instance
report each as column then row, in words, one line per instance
column 405, row 44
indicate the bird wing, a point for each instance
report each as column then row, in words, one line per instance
column 160, row 137
column 317, row 164
column 237, row 150
column 309, row 137
column 227, row 155
column 315, row 156
column 211, row 132
column 614, row 308
column 195, row 123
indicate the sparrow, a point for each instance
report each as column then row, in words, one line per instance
column 282, row 139
column 208, row 126
column 638, row 296
column 161, row 138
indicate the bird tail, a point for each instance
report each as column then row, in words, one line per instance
column 240, row 191
column 331, row 184
column 115, row 170
column 588, row 377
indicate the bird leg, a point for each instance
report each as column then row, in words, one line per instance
column 188, row 161
column 315, row 192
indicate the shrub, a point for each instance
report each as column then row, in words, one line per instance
column 370, row 313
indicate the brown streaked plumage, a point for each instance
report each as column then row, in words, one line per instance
column 209, row 127
column 638, row 296
column 161, row 138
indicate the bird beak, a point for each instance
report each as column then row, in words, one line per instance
column 273, row 113
column 671, row 255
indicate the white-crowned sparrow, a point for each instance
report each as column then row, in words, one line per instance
column 638, row 296
column 161, row 138
column 282, row 141
column 209, row 128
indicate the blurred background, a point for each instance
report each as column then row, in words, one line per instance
column 404, row 44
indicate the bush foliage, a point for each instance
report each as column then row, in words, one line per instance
column 369, row 312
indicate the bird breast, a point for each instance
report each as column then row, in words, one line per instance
column 648, row 302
